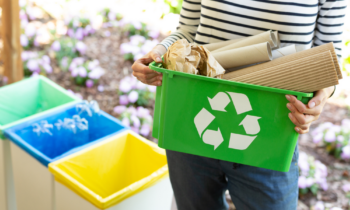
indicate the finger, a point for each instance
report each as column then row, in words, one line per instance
column 296, row 122
column 143, row 76
column 156, row 56
column 146, row 80
column 156, row 83
column 298, row 104
column 320, row 96
column 301, row 131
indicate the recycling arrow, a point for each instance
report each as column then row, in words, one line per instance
column 219, row 102
column 213, row 137
column 241, row 102
column 250, row 124
column 202, row 120
column 241, row 142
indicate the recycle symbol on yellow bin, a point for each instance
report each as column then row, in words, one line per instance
column 219, row 103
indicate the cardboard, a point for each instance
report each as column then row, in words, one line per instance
column 286, row 59
column 278, row 42
column 306, row 74
column 214, row 46
column 277, row 53
column 267, row 36
column 191, row 58
column 244, row 55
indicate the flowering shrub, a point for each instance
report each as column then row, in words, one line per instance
column 137, row 47
column 109, row 15
column 79, row 27
column 138, row 119
column 66, row 49
column 85, row 72
column 312, row 174
column 35, row 63
column 132, row 91
column 335, row 138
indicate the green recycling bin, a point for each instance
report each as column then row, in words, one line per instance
column 226, row 120
column 19, row 102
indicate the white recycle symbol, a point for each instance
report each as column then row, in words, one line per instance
column 218, row 103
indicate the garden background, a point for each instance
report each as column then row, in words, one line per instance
column 88, row 48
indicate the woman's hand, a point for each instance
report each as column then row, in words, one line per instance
column 145, row 74
column 303, row 115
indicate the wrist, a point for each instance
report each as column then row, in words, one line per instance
column 160, row 49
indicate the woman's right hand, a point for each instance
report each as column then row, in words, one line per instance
column 145, row 74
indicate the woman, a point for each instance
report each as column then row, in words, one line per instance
column 199, row 183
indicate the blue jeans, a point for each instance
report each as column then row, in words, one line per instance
column 200, row 183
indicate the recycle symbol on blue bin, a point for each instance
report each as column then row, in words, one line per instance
column 219, row 103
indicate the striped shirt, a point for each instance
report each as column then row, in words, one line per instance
column 305, row 23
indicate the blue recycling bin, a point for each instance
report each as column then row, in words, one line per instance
column 31, row 153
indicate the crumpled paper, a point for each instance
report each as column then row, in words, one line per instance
column 191, row 58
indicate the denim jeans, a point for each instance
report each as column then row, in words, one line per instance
column 200, row 183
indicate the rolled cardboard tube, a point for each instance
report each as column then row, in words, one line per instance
column 267, row 36
column 244, row 55
column 280, row 52
column 214, row 46
column 278, row 42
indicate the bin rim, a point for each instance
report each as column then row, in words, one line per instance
column 39, row 77
column 41, row 157
column 159, row 68
column 119, row 196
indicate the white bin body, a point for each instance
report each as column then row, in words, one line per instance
column 7, row 188
column 33, row 182
column 156, row 197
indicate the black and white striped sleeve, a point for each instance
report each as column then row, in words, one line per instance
column 188, row 24
column 329, row 24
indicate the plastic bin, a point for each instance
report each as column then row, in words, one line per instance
column 19, row 102
column 31, row 156
column 226, row 120
column 125, row 172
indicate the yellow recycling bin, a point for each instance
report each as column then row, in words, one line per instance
column 125, row 172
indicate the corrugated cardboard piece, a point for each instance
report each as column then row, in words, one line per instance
column 285, row 59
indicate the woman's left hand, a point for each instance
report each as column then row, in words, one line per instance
column 303, row 115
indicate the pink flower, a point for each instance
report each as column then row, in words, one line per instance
column 89, row 83
column 47, row 68
column 330, row 136
column 309, row 181
column 142, row 112
column 107, row 33
column 302, row 182
column 319, row 206
column 100, row 88
column 125, row 86
column 56, row 46
column 93, row 64
column 133, row 96
column 137, row 39
column 135, row 121
column 152, row 88
column 346, row 152
column 81, row 47
column 346, row 187
column 30, row 30
column 45, row 59
column 112, row 16
column 136, row 130
column 317, row 138
column 79, row 34
column 145, row 130
column 154, row 34
column 119, row 109
column 33, row 65
column 340, row 138
column 24, row 40
column 126, row 122
column 96, row 73
column 123, row 100
column 70, row 33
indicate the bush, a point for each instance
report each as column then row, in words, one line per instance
column 35, row 63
